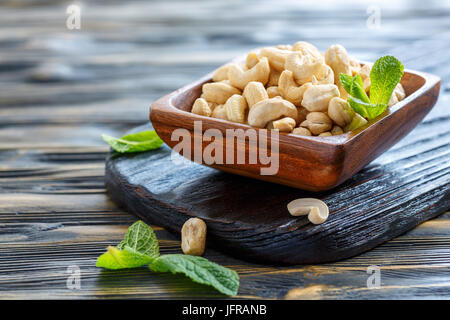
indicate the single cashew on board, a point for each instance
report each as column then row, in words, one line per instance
column 316, row 209
column 193, row 237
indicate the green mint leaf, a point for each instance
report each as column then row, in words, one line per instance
column 138, row 248
column 357, row 121
column 358, row 89
column 367, row 110
column 115, row 259
column 359, row 106
column 386, row 73
column 141, row 238
column 354, row 86
column 374, row 110
column 135, row 142
column 199, row 270
column 346, row 82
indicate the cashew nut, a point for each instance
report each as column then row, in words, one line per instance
column 220, row 112
column 251, row 60
column 201, row 107
column 212, row 105
column 400, row 92
column 273, row 92
column 364, row 72
column 276, row 57
column 193, row 237
column 317, row 122
column 325, row 75
column 236, row 106
column 270, row 109
column 274, row 77
column 221, row 73
column 316, row 209
column 340, row 111
column 317, row 97
column 284, row 47
column 218, row 92
column 336, row 130
column 304, row 67
column 307, row 48
column 316, row 216
column 338, row 59
column 354, row 66
column 290, row 90
column 302, row 131
column 397, row 95
column 240, row 78
column 283, row 125
column 302, row 113
column 254, row 92
column 287, row 85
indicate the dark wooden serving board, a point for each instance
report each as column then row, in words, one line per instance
column 248, row 218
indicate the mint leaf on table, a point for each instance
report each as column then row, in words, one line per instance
column 200, row 270
column 115, row 259
column 135, row 142
column 385, row 74
column 138, row 248
column 141, row 238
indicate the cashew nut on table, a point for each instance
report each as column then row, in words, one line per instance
column 289, row 88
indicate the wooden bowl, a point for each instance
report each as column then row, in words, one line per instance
column 309, row 163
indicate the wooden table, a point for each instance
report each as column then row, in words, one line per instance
column 60, row 89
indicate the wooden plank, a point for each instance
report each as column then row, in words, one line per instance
column 127, row 54
column 248, row 218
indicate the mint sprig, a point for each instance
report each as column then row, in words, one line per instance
column 354, row 86
column 135, row 142
column 140, row 247
column 125, row 258
column 386, row 73
column 199, row 270
column 141, row 238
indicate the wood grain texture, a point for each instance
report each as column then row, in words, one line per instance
column 54, row 211
column 249, row 218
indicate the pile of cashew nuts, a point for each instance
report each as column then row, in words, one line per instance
column 293, row 89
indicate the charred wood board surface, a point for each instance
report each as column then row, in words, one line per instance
column 60, row 89
column 248, row 218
